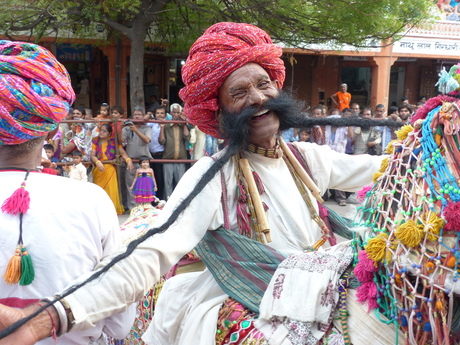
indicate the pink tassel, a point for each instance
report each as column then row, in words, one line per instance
column 241, row 194
column 259, row 184
column 361, row 195
column 18, row 202
column 242, row 218
column 365, row 268
column 451, row 214
column 367, row 293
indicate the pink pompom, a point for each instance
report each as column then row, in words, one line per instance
column 361, row 195
column 365, row 268
column 367, row 293
column 451, row 214
column 18, row 202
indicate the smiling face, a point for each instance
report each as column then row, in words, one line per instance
column 250, row 86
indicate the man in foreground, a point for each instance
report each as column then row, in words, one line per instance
column 233, row 78
column 59, row 240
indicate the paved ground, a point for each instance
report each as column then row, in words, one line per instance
column 347, row 211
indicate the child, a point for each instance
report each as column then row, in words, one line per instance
column 77, row 171
column 53, row 169
column 144, row 185
column 304, row 134
column 117, row 114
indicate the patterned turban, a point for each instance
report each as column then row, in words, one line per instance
column 35, row 92
column 222, row 49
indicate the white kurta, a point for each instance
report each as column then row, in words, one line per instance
column 69, row 227
column 196, row 296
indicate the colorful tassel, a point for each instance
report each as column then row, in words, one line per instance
column 27, row 269
column 367, row 293
column 376, row 247
column 410, row 234
column 259, row 184
column 13, row 270
column 361, row 194
column 18, row 202
column 451, row 214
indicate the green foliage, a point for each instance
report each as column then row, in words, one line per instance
column 297, row 23
column 179, row 22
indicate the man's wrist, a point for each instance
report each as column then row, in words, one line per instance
column 61, row 324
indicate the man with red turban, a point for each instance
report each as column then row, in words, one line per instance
column 249, row 211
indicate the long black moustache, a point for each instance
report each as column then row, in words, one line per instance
column 235, row 127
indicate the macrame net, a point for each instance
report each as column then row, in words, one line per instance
column 409, row 225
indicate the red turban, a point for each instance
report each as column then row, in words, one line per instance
column 35, row 92
column 222, row 49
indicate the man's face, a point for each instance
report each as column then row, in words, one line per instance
column 366, row 114
column 404, row 113
column 175, row 113
column 138, row 115
column 160, row 114
column 378, row 114
column 250, row 86
column 77, row 114
column 343, row 88
column 355, row 109
column 49, row 154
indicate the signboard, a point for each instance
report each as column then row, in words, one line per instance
column 74, row 52
column 427, row 46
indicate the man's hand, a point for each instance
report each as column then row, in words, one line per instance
column 31, row 332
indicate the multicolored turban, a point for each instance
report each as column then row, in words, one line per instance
column 222, row 49
column 35, row 92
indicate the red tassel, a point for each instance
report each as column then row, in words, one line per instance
column 18, row 202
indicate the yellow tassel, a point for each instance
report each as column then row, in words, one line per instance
column 432, row 225
column 384, row 165
column 404, row 131
column 409, row 233
column 437, row 139
column 376, row 175
column 376, row 247
column 13, row 270
column 390, row 148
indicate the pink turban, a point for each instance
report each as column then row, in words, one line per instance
column 35, row 92
column 222, row 49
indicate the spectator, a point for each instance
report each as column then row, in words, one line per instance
column 77, row 171
column 355, row 109
column 405, row 112
column 137, row 137
column 144, row 185
column 304, row 134
column 153, row 105
column 156, row 149
column 336, row 139
column 317, row 132
column 385, row 132
column 342, row 98
column 173, row 137
column 105, row 175
column 367, row 139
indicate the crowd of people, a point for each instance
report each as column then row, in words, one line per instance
column 353, row 140
column 100, row 141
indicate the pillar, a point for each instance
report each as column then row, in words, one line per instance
column 381, row 69
column 111, row 53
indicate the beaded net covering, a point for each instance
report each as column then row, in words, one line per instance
column 408, row 265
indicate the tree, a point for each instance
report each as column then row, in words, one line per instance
column 178, row 23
